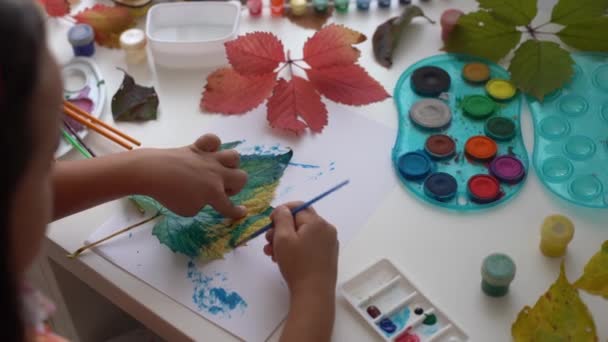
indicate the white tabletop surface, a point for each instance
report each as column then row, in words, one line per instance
column 440, row 251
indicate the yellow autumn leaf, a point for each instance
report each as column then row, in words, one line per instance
column 595, row 276
column 558, row 315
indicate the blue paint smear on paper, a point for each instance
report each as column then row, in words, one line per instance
column 209, row 296
column 332, row 166
column 130, row 235
column 400, row 319
column 304, row 166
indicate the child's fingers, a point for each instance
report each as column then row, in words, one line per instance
column 229, row 158
column 284, row 228
column 307, row 215
column 234, row 181
column 268, row 250
column 270, row 235
column 224, row 206
column 208, row 143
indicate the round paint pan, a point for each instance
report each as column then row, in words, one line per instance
column 415, row 165
column 431, row 114
column 500, row 128
column 440, row 186
column 508, row 169
column 440, row 146
column 430, row 81
column 483, row 188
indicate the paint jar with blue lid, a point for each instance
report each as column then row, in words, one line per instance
column 82, row 39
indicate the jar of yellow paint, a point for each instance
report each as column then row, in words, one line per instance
column 556, row 233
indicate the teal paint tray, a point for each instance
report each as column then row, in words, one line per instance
column 571, row 134
column 412, row 138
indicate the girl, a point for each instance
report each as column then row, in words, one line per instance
column 36, row 189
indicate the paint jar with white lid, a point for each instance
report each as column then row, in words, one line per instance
column 133, row 42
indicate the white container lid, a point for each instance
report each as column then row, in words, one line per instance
column 133, row 39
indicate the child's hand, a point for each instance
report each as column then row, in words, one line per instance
column 188, row 178
column 306, row 250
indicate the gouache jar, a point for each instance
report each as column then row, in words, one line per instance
column 277, row 7
column 82, row 39
column 133, row 42
column 298, row 7
column 341, row 5
column 497, row 273
column 363, row 5
column 320, row 6
column 255, row 7
column 555, row 235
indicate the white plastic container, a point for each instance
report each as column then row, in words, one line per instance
column 397, row 300
column 191, row 34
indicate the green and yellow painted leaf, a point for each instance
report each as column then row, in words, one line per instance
column 540, row 67
column 518, row 12
column 595, row 276
column 481, row 34
column 558, row 315
column 568, row 12
column 209, row 235
column 589, row 35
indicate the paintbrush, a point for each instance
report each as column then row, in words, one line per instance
column 294, row 212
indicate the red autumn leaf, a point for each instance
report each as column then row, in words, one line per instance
column 56, row 8
column 333, row 46
column 349, row 84
column 229, row 92
column 108, row 23
column 293, row 99
column 255, row 53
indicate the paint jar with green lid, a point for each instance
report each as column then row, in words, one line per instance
column 497, row 273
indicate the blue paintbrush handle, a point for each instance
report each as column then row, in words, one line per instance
column 296, row 210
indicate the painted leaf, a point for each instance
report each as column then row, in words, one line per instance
column 108, row 23
column 539, row 67
column 208, row 235
column 255, row 53
column 517, row 12
column 387, row 35
column 568, row 12
column 558, row 315
column 589, row 35
column 295, row 99
column 229, row 92
column 349, row 84
column 311, row 19
column 481, row 34
column 133, row 102
column 56, row 8
column 333, row 46
column 595, row 277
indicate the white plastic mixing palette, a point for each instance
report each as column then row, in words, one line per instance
column 381, row 293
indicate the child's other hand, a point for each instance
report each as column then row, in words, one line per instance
column 188, row 178
column 306, row 250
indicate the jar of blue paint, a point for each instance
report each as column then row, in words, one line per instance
column 82, row 38
column 363, row 5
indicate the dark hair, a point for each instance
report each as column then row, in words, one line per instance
column 22, row 39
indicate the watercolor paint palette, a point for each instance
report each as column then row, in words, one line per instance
column 396, row 309
column 459, row 144
column 571, row 134
column 84, row 87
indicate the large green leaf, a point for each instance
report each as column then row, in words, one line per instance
column 568, row 12
column 595, row 277
column 208, row 234
column 539, row 67
column 558, row 315
column 518, row 12
column 589, row 35
column 481, row 34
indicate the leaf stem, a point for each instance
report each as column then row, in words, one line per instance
column 539, row 26
column 531, row 32
column 289, row 62
column 299, row 66
column 282, row 67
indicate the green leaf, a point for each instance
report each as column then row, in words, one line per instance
column 590, row 35
column 481, row 34
column 540, row 67
column 595, row 277
column 208, row 235
column 133, row 102
column 568, row 12
column 558, row 315
column 518, row 12
column 387, row 35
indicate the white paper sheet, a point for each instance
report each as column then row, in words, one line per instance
column 351, row 147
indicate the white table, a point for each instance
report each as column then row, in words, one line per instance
column 440, row 251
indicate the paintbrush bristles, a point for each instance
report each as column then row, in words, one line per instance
column 124, row 230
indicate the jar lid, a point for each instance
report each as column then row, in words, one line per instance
column 431, row 114
column 440, row 186
column 133, row 3
column 478, row 106
column 81, row 34
column 440, row 146
column 558, row 228
column 133, row 39
column 414, row 165
column 501, row 89
column 483, row 188
column 481, row 147
column 430, row 81
column 508, row 169
column 476, row 72
column 498, row 269
column 500, row 128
